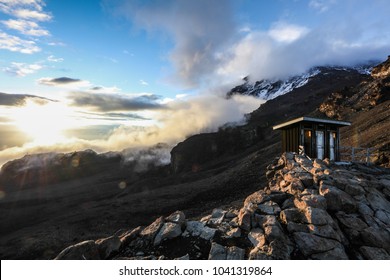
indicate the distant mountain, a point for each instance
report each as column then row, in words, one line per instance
column 269, row 89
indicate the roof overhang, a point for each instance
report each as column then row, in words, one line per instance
column 309, row 119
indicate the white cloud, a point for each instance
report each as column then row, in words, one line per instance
column 211, row 48
column 287, row 33
column 27, row 13
column 144, row 83
column 26, row 27
column 32, row 15
column 22, row 69
column 52, row 58
column 25, row 9
column 16, row 44
column 320, row 5
column 199, row 29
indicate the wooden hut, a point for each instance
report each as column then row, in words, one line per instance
column 317, row 138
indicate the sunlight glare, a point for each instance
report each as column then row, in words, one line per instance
column 46, row 123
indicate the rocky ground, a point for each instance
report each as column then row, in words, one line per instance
column 308, row 210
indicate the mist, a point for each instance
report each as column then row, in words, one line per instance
column 178, row 120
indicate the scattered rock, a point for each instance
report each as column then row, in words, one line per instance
column 177, row 217
column 310, row 244
column 150, row 232
column 373, row 253
column 195, row 228
column 257, row 237
column 217, row 252
column 108, row 246
column 86, row 250
column 235, row 253
column 337, row 200
column 167, row 231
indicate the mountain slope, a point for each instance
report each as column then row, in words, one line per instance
column 270, row 89
column 308, row 210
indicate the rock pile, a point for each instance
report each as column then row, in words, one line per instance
column 309, row 210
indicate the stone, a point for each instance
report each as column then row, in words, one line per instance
column 269, row 174
column 292, row 215
column 256, row 198
column 374, row 253
column 233, row 233
column 337, row 253
column 258, row 254
column 86, row 250
column 235, row 253
column 129, row 236
column 310, row 244
column 316, row 201
column 230, row 215
column 317, row 216
column 198, row 229
column 304, row 162
column 351, row 221
column 383, row 216
column 317, row 163
column 279, row 250
column 288, row 203
column 337, row 200
column 364, row 209
column 377, row 201
column 217, row 252
column 274, row 232
column 150, row 232
column 269, row 208
column 266, row 220
column 256, row 237
column 306, row 179
column 217, row 216
column 177, row 217
column 376, row 238
column 296, row 187
column 353, row 188
column 324, row 231
column 385, row 182
column 183, row 258
column 108, row 246
column 296, row 227
column 279, row 197
column 168, row 231
column 244, row 219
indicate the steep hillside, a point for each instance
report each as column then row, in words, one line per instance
column 367, row 107
column 308, row 210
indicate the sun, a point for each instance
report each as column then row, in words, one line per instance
column 44, row 123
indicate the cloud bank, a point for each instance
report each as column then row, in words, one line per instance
column 211, row 47
column 174, row 122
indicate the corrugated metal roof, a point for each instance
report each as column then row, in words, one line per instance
column 310, row 119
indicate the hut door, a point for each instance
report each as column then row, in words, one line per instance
column 332, row 136
column 320, row 144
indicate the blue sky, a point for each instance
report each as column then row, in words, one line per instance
column 109, row 74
